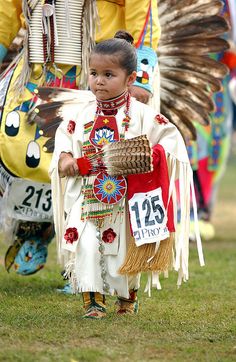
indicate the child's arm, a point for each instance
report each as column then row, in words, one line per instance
column 10, row 24
column 67, row 165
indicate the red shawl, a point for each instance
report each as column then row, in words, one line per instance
column 159, row 177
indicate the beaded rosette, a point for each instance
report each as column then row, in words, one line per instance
column 109, row 189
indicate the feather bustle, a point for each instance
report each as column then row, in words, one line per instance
column 178, row 5
column 189, row 93
column 189, row 14
column 204, row 28
column 49, row 145
column 204, row 46
column 191, row 30
column 204, row 81
column 186, row 128
column 200, row 64
column 183, row 107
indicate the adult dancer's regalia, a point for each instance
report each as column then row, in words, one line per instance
column 210, row 153
column 59, row 36
column 190, row 31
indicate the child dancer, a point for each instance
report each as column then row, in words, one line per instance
column 91, row 212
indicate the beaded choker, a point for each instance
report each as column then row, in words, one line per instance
column 110, row 107
column 113, row 104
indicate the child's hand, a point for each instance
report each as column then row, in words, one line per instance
column 67, row 165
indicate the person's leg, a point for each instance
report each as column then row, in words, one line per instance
column 88, row 273
column 29, row 250
column 129, row 305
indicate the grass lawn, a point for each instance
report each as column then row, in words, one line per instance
column 194, row 323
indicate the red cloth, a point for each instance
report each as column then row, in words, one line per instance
column 206, row 178
column 229, row 59
column 159, row 177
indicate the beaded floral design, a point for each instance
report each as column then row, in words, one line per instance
column 108, row 236
column 161, row 119
column 71, row 235
column 71, row 127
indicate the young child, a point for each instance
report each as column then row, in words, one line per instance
column 93, row 220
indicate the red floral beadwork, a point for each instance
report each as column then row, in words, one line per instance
column 108, row 236
column 71, row 235
column 71, row 127
column 161, row 119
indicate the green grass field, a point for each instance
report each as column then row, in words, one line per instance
column 194, row 323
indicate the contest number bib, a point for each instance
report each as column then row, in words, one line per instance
column 30, row 201
column 148, row 217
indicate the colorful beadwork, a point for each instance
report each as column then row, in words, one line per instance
column 92, row 206
column 109, row 189
column 71, row 127
column 104, row 131
column 161, row 119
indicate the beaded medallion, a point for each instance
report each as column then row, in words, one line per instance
column 109, row 189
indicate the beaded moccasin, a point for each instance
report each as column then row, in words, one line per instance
column 127, row 306
column 94, row 305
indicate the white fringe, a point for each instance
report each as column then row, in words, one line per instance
column 152, row 282
column 8, row 225
column 183, row 173
column 90, row 19
column 76, row 288
column 58, row 211
column 70, row 274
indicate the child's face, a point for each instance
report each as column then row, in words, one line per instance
column 106, row 79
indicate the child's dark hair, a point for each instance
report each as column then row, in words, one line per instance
column 121, row 46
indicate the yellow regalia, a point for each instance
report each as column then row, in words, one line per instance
column 21, row 144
